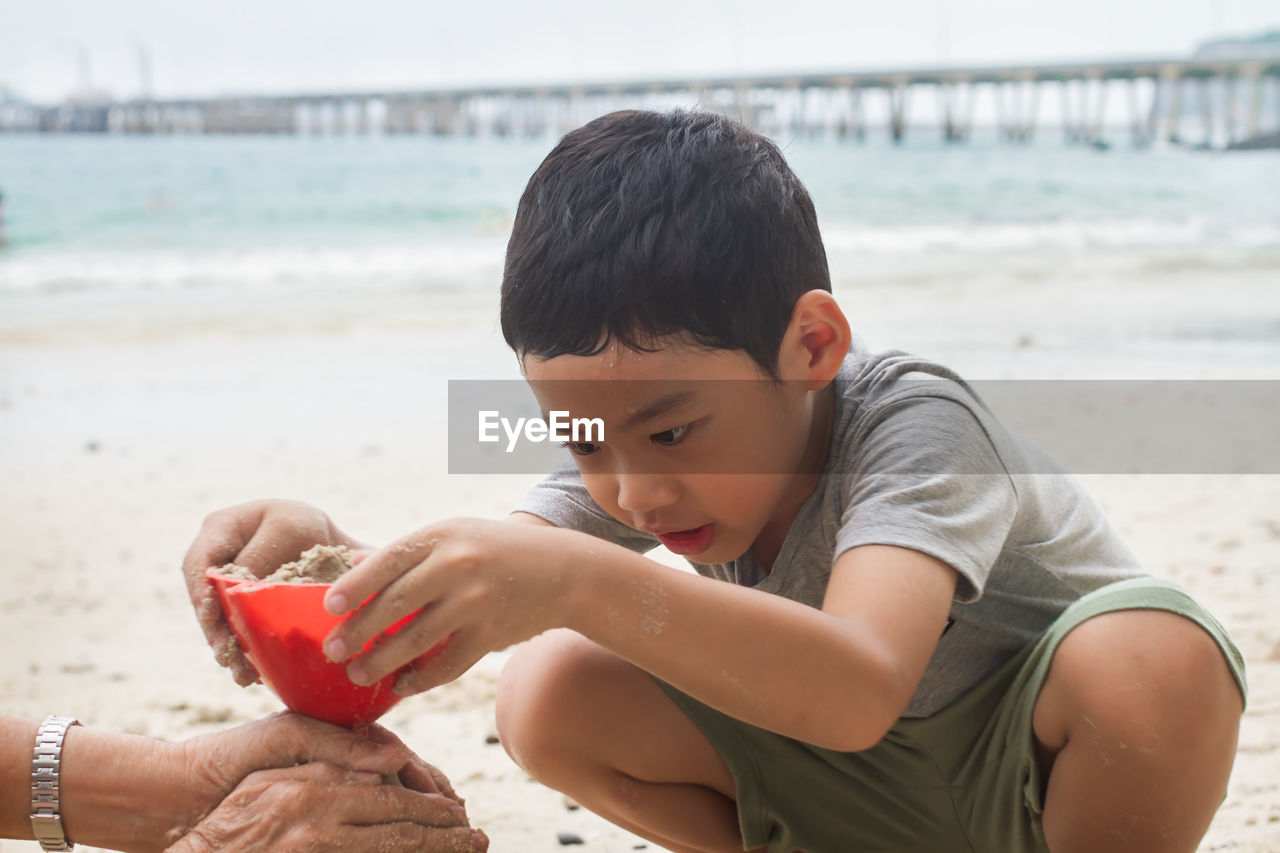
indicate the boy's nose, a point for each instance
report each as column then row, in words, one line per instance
column 641, row 493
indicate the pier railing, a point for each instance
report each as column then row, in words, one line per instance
column 1218, row 102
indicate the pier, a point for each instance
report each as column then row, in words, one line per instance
column 1210, row 103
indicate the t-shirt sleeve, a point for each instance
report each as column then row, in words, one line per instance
column 562, row 499
column 926, row 475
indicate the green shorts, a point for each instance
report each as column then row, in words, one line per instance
column 964, row 779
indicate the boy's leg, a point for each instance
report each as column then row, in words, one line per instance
column 583, row 721
column 1135, row 730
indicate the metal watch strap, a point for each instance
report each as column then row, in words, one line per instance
column 46, row 768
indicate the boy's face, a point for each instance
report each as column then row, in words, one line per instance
column 700, row 447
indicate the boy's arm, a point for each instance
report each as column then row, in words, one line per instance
column 837, row 677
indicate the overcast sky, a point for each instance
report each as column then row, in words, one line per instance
column 309, row 45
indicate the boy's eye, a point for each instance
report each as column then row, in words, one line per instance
column 581, row 448
column 668, row 437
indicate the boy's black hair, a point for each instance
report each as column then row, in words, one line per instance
column 640, row 225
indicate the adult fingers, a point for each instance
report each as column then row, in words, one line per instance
column 418, row 775
column 402, row 838
column 264, row 805
column 311, row 773
column 319, row 807
column 373, row 805
column 287, row 739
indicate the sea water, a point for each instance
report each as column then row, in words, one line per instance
column 1040, row 259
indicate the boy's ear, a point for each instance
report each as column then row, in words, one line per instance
column 816, row 341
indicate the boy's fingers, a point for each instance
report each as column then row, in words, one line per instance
column 423, row 633
column 224, row 534
column 377, row 571
column 217, row 543
column 241, row 670
column 273, row 544
column 413, row 591
column 213, row 546
column 459, row 654
column 372, row 621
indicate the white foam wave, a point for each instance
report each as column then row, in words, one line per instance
column 430, row 264
column 1067, row 235
column 477, row 261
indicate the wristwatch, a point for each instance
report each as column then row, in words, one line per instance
column 46, row 767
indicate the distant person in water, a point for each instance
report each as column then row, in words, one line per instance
column 3, row 241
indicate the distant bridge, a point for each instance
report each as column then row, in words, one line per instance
column 1206, row 102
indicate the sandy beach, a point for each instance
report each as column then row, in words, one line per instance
column 115, row 443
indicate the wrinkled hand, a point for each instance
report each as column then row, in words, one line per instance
column 212, row 765
column 320, row 807
column 262, row 536
column 484, row 585
column 220, row 760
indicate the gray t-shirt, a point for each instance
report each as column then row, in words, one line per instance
column 918, row 461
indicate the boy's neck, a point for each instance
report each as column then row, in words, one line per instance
column 813, row 463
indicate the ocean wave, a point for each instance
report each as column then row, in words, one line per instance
column 430, row 265
column 1068, row 235
column 1017, row 252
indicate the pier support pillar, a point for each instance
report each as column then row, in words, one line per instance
column 898, row 112
column 1100, row 113
column 1027, row 125
column 857, row 115
column 1206, row 110
column 1231, row 112
column 1137, row 125
column 1252, row 123
column 1171, row 77
column 1068, row 131
column 951, row 129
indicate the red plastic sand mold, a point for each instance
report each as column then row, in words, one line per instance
column 282, row 628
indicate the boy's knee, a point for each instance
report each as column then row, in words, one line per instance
column 539, row 693
column 1147, row 677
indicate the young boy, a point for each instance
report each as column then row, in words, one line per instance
column 907, row 630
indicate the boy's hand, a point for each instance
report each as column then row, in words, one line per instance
column 482, row 584
column 262, row 536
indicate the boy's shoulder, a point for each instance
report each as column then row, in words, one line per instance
column 910, row 413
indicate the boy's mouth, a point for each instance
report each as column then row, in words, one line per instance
column 688, row 542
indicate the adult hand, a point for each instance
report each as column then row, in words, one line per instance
column 320, row 807
column 221, row 759
column 214, row 764
column 261, row 536
column 483, row 585
column 126, row 792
